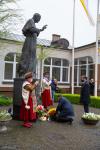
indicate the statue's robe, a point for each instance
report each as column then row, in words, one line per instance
column 28, row 58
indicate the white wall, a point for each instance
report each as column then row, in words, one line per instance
column 7, row 46
column 86, row 52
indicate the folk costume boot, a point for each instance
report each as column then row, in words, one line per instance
column 27, row 124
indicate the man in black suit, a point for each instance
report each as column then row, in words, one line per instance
column 85, row 94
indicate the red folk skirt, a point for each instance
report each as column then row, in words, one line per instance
column 46, row 98
column 27, row 114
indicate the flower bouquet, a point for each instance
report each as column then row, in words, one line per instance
column 42, row 115
column 90, row 118
column 51, row 111
column 40, row 110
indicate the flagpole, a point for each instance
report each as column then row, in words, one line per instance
column 96, row 56
column 73, row 42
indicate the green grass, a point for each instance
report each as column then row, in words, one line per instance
column 5, row 101
column 75, row 99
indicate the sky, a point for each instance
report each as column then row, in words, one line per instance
column 58, row 15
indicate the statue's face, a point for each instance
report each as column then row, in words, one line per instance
column 36, row 18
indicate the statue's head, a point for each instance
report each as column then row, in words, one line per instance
column 36, row 17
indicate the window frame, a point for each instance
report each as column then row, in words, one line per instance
column 78, row 65
column 14, row 63
column 61, row 69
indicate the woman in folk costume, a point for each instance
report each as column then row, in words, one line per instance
column 46, row 92
column 26, row 111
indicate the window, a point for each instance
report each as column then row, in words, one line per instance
column 82, row 61
column 8, row 71
column 47, row 61
column 83, row 67
column 56, row 62
column 57, row 68
column 11, row 63
column 47, row 69
column 65, row 74
column 56, row 73
column 82, row 72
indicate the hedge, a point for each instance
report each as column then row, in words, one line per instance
column 5, row 101
column 75, row 99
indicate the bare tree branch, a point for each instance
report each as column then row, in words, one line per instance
column 8, row 15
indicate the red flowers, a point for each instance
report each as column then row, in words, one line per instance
column 40, row 107
column 40, row 110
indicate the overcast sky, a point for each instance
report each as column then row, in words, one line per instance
column 58, row 15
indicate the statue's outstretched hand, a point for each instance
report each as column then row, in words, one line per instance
column 44, row 27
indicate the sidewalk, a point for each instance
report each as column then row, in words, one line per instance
column 52, row 136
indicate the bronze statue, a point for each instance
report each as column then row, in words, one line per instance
column 28, row 58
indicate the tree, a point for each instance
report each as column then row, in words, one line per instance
column 8, row 16
column 44, row 53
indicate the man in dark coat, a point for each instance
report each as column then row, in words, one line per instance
column 85, row 94
column 92, row 85
column 28, row 58
column 64, row 111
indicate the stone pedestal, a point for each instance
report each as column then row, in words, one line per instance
column 17, row 97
